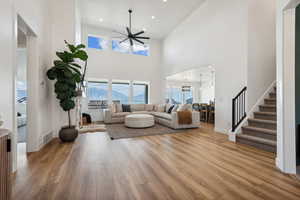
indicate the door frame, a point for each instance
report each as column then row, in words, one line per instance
column 32, row 132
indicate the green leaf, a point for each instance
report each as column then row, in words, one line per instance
column 80, row 46
column 51, row 74
column 75, row 70
column 72, row 48
column 76, row 65
column 67, row 104
column 82, row 55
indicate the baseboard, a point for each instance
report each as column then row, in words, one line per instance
column 220, row 130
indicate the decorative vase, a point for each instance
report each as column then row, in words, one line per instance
column 68, row 134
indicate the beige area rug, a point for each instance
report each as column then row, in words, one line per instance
column 117, row 131
column 91, row 128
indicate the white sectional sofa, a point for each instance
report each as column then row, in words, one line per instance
column 116, row 115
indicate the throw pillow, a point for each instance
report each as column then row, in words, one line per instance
column 126, row 108
column 112, row 108
column 160, row 108
column 168, row 106
column 119, row 108
column 170, row 109
column 175, row 108
column 149, row 107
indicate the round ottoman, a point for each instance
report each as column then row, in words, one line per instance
column 139, row 121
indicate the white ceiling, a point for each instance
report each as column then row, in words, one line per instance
column 201, row 74
column 115, row 14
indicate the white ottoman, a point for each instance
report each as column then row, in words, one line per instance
column 139, row 121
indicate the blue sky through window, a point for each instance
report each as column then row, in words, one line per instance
column 140, row 94
column 97, row 43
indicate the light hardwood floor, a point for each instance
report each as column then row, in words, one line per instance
column 196, row 164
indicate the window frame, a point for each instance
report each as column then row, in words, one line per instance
column 146, row 91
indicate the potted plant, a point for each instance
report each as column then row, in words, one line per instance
column 69, row 80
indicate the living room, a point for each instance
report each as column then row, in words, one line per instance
column 155, row 103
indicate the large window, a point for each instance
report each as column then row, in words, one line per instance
column 140, row 93
column 176, row 95
column 187, row 94
column 95, row 42
column 97, row 91
column 123, row 47
column 120, row 92
column 142, row 50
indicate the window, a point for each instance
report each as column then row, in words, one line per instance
column 97, row 91
column 123, row 47
column 176, row 95
column 21, row 91
column 142, row 50
column 140, row 93
column 187, row 94
column 120, row 92
column 97, row 43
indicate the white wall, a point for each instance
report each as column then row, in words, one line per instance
column 63, row 27
column 37, row 20
column 285, row 57
column 261, row 71
column 215, row 34
column 107, row 64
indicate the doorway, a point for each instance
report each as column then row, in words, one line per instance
column 21, row 92
column 195, row 87
column 25, row 138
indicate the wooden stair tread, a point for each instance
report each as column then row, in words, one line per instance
column 262, row 121
column 268, row 106
column 270, row 99
column 265, row 113
column 262, row 130
column 258, row 139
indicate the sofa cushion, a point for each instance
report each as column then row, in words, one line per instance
column 160, row 108
column 149, row 107
column 141, row 112
column 112, row 108
column 120, row 114
column 137, row 107
column 119, row 108
column 163, row 115
column 126, row 108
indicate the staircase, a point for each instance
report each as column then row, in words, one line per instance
column 261, row 130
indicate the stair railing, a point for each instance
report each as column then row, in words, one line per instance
column 239, row 108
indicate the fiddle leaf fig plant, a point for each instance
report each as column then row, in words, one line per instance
column 69, row 75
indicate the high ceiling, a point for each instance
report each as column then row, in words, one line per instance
column 158, row 17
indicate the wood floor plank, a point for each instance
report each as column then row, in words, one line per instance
column 191, row 165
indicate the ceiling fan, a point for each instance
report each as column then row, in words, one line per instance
column 133, row 36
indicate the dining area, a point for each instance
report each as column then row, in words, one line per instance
column 206, row 111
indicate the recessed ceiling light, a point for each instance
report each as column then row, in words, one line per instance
column 100, row 20
column 144, row 29
column 153, row 17
column 165, row 0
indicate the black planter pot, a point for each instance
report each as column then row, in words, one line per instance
column 68, row 134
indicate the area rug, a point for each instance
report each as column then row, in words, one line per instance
column 92, row 128
column 118, row 131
